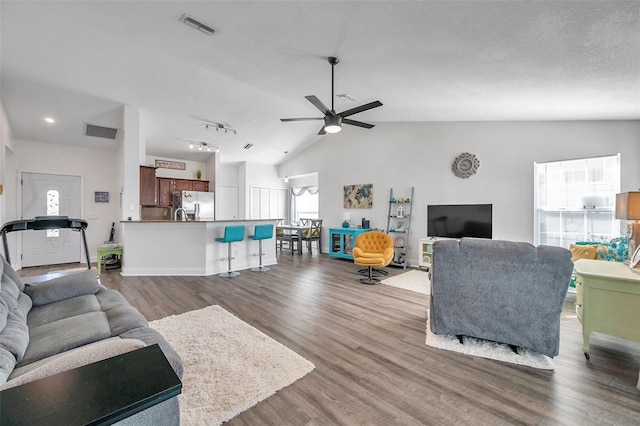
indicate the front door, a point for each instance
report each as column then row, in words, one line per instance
column 50, row 195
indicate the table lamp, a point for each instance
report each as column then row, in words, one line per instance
column 628, row 208
column 346, row 216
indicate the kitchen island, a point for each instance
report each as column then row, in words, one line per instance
column 169, row 248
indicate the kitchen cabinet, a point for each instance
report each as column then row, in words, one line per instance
column 148, row 186
column 200, row 185
column 166, row 186
column 182, row 185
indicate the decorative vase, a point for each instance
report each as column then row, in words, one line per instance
column 345, row 224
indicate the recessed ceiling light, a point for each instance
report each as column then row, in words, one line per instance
column 49, row 120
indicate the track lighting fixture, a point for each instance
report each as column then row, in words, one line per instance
column 219, row 127
column 203, row 146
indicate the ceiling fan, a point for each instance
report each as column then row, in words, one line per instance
column 332, row 121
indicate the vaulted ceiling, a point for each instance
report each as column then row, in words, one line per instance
column 79, row 62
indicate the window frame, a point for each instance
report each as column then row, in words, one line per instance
column 597, row 197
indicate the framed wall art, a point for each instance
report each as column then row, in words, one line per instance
column 174, row 165
column 101, row 197
column 358, row 196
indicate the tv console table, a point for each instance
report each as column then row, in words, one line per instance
column 342, row 241
column 607, row 300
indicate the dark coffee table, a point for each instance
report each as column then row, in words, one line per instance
column 96, row 394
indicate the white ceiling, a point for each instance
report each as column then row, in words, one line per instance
column 424, row 60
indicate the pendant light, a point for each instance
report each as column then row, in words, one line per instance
column 286, row 176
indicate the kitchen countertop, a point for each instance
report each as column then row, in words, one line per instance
column 189, row 248
column 198, row 221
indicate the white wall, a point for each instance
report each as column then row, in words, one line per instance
column 5, row 140
column 308, row 180
column 264, row 175
column 96, row 167
column 399, row 155
column 119, row 177
column 253, row 174
column 228, row 175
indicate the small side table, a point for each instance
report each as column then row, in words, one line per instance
column 425, row 250
column 101, row 393
column 107, row 250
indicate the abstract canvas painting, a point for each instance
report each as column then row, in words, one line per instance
column 358, row 196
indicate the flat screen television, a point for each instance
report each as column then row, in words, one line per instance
column 460, row 220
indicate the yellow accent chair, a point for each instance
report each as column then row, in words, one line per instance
column 373, row 249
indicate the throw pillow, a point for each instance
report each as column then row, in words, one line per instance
column 583, row 252
column 64, row 287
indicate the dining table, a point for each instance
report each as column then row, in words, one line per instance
column 295, row 229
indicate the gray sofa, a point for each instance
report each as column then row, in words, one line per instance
column 503, row 291
column 71, row 321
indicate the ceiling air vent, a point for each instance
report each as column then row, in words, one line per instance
column 346, row 97
column 247, row 146
column 197, row 24
column 100, row 132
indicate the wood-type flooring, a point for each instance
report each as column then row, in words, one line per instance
column 372, row 364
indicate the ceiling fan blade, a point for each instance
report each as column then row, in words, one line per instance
column 302, row 119
column 360, row 108
column 318, row 104
column 322, row 131
column 357, row 123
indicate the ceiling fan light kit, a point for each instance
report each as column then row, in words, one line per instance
column 332, row 124
column 333, row 121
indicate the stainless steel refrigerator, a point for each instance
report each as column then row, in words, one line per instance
column 196, row 204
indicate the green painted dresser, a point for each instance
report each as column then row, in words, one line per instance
column 607, row 300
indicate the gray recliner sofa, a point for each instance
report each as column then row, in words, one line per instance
column 502, row 291
column 70, row 321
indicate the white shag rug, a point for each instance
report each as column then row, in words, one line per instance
column 487, row 349
column 414, row 280
column 229, row 366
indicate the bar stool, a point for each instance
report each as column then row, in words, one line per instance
column 231, row 235
column 261, row 232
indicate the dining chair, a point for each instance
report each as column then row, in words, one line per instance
column 297, row 237
column 284, row 237
column 313, row 233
